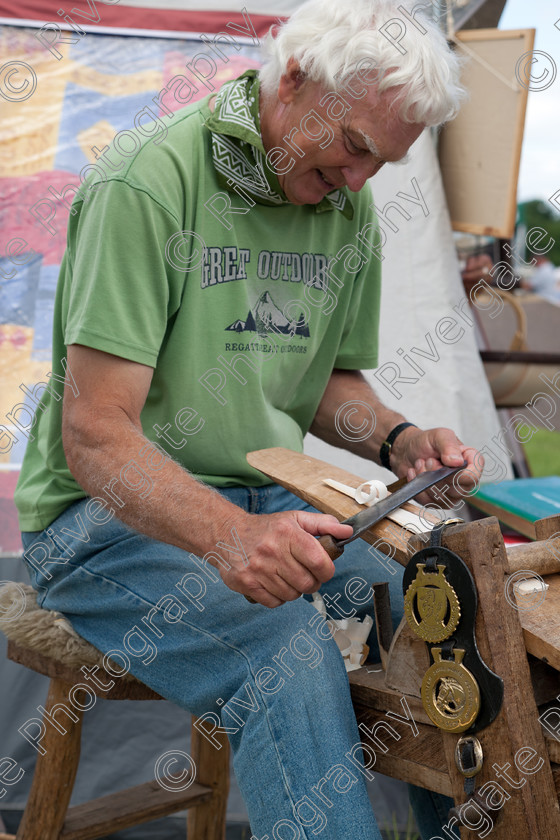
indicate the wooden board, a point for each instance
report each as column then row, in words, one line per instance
column 303, row 476
column 541, row 557
column 417, row 759
column 512, row 520
column 480, row 150
column 130, row 807
column 368, row 687
column 124, row 688
column 553, row 747
column 416, row 756
column 541, row 626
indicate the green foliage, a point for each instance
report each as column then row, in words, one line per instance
column 543, row 453
column 392, row 832
column 541, row 214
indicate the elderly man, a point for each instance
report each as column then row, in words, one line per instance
column 219, row 294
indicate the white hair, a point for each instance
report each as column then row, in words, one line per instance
column 329, row 39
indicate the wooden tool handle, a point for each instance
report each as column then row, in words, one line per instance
column 332, row 549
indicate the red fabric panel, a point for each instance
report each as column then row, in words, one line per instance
column 17, row 195
column 10, row 540
column 129, row 17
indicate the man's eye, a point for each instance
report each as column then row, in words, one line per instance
column 351, row 147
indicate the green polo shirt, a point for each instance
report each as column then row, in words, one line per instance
column 241, row 309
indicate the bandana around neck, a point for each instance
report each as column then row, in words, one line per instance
column 238, row 153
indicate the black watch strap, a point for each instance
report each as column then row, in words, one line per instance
column 387, row 445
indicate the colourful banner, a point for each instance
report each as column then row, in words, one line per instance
column 149, row 17
column 56, row 119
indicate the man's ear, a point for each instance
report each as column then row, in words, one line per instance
column 291, row 82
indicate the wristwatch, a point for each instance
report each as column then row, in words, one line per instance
column 387, row 445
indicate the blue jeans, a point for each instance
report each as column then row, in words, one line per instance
column 273, row 679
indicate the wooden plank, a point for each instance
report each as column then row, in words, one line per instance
column 478, row 35
column 533, row 811
column 553, row 747
column 126, row 687
column 208, row 821
column 542, row 557
column 545, row 681
column 369, row 690
column 548, row 527
column 541, row 626
column 129, row 807
column 415, row 757
column 55, row 769
column 556, row 776
column 304, row 476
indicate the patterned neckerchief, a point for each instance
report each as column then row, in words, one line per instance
column 238, row 153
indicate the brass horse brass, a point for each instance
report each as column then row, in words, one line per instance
column 450, row 693
column 428, row 600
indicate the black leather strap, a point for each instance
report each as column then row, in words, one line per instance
column 387, row 445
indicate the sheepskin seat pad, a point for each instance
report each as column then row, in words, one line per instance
column 46, row 632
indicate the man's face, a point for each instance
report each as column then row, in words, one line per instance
column 366, row 137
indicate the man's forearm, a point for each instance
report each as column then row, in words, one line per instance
column 351, row 416
column 168, row 504
column 272, row 558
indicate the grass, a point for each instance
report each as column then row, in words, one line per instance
column 543, row 453
column 392, row 832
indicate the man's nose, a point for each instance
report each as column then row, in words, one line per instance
column 359, row 172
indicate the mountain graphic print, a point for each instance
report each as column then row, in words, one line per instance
column 265, row 317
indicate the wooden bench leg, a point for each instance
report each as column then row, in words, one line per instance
column 208, row 821
column 55, row 771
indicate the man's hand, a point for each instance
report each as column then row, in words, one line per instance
column 284, row 557
column 413, row 452
column 416, row 451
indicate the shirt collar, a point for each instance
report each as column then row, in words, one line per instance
column 238, row 152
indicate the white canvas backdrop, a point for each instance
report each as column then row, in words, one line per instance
column 421, row 285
